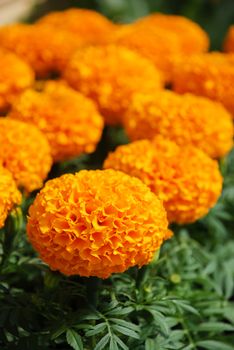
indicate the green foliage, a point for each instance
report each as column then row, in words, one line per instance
column 183, row 300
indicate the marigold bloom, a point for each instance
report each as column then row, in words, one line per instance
column 25, row 153
column 96, row 223
column 229, row 40
column 9, row 194
column 209, row 75
column 186, row 179
column 89, row 26
column 43, row 47
column 69, row 120
column 110, row 75
column 15, row 76
column 186, row 119
column 192, row 38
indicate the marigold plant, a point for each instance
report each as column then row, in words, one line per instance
column 96, row 223
column 9, row 194
column 192, row 38
column 110, row 75
column 186, row 119
column 186, row 179
column 45, row 48
column 25, row 152
column 229, row 40
column 89, row 26
column 15, row 76
column 70, row 121
column 209, row 75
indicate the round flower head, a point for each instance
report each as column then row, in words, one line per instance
column 229, row 40
column 110, row 75
column 192, row 38
column 156, row 44
column 96, row 223
column 89, row 26
column 25, row 152
column 209, row 75
column 15, row 76
column 45, row 48
column 69, row 120
column 186, row 119
column 9, row 194
column 185, row 178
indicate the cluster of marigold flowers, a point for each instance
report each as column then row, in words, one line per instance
column 62, row 80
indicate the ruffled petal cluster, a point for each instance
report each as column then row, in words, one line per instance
column 90, row 27
column 46, row 49
column 15, row 76
column 96, row 223
column 229, row 40
column 9, row 194
column 25, row 152
column 69, row 120
column 186, row 119
column 186, row 179
column 210, row 75
column 110, row 75
column 161, row 38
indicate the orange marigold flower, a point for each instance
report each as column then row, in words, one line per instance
column 186, row 119
column 110, row 75
column 43, row 47
column 25, row 152
column 229, row 40
column 186, row 179
column 69, row 120
column 15, row 76
column 96, row 223
column 9, row 194
column 209, row 75
column 89, row 26
column 192, row 38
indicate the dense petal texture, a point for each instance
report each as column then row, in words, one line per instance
column 25, row 152
column 110, row 75
column 186, row 119
column 96, row 223
column 192, row 38
column 15, row 76
column 69, row 120
column 90, row 27
column 209, row 75
column 9, row 194
column 45, row 49
column 186, row 179
column 229, row 40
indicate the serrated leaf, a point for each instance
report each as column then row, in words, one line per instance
column 126, row 331
column 124, row 323
column 214, row 327
column 160, row 320
column 96, row 329
column 74, row 340
column 214, row 345
column 102, row 342
column 113, row 345
column 121, row 343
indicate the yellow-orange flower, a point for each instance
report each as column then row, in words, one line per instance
column 229, row 40
column 45, row 48
column 186, row 119
column 192, row 38
column 185, row 178
column 15, row 76
column 89, row 26
column 96, row 223
column 69, row 120
column 25, row 152
column 9, row 194
column 209, row 75
column 110, row 75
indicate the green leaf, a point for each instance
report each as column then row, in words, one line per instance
column 120, row 342
column 126, row 324
column 113, row 345
column 96, row 329
column 102, row 342
column 149, row 344
column 126, row 331
column 214, row 345
column 217, row 327
column 74, row 340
